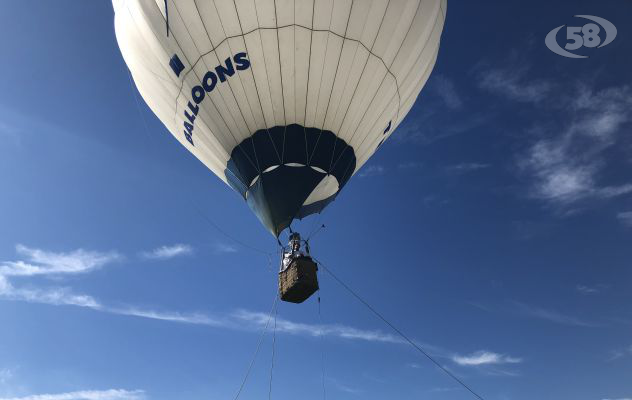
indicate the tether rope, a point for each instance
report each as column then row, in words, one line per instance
column 273, row 346
column 322, row 348
column 400, row 333
column 314, row 232
column 220, row 230
column 254, row 357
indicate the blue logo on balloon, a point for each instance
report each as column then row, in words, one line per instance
column 219, row 74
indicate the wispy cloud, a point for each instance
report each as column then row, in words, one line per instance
column 625, row 218
column 64, row 296
column 527, row 310
column 485, row 358
column 50, row 263
column 575, row 127
column 443, row 389
column 567, row 160
column 54, row 296
column 563, row 177
column 344, row 387
column 111, row 394
column 242, row 320
column 429, row 125
column 40, row 262
column 10, row 131
column 46, row 263
column 443, row 87
column 371, row 170
column 467, row 167
column 408, row 165
column 588, row 290
column 513, row 84
column 5, row 375
column 620, row 353
column 238, row 320
column 172, row 316
column 259, row 319
column 223, row 248
column 552, row 316
column 167, row 252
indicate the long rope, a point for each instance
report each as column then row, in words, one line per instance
column 273, row 346
column 314, row 232
column 254, row 357
column 322, row 348
column 400, row 333
column 220, row 230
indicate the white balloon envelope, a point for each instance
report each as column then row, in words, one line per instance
column 284, row 100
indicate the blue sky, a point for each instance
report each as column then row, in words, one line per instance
column 494, row 229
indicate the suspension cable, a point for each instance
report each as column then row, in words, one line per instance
column 254, row 357
column 220, row 230
column 322, row 348
column 273, row 348
column 400, row 333
column 314, row 232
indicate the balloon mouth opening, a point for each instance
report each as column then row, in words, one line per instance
column 289, row 172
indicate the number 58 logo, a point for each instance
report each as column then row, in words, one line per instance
column 582, row 36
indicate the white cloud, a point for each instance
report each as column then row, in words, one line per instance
column 63, row 296
column 443, row 115
column 46, row 263
column 171, row 316
column 49, row 263
column 54, row 296
column 620, row 353
column 484, row 358
column 443, row 389
column 111, row 394
column 6, row 374
column 500, row 372
column 613, row 191
column 166, row 252
column 588, row 290
column 40, row 262
column 246, row 320
column 222, row 248
column 601, row 113
column 552, row 316
column 510, row 83
column 344, row 387
column 259, row 319
column 566, row 163
column 625, row 218
column 466, row 167
column 239, row 320
column 409, row 165
column 371, row 170
column 428, row 125
column 444, row 88
column 617, row 354
column 11, row 132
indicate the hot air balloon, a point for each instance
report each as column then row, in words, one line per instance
column 284, row 100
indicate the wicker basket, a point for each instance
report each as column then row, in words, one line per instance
column 299, row 280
